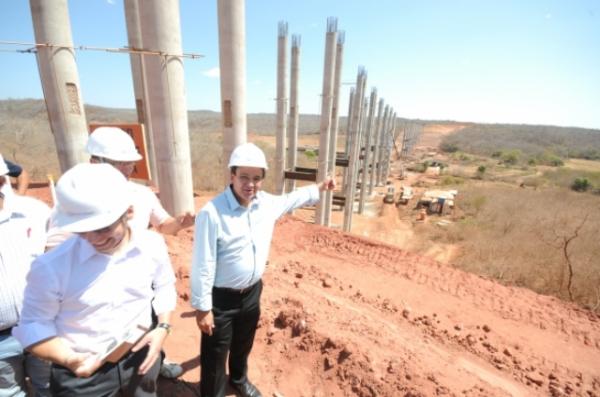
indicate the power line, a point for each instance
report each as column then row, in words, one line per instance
column 33, row 47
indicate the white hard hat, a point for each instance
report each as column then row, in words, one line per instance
column 248, row 155
column 90, row 197
column 3, row 166
column 112, row 143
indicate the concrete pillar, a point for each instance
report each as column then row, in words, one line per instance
column 348, row 142
column 60, row 80
column 335, row 122
column 292, row 153
column 281, row 106
column 166, row 91
column 365, row 177
column 375, row 157
column 232, row 65
column 138, row 73
column 382, row 145
column 353, row 162
column 326, row 108
column 389, row 147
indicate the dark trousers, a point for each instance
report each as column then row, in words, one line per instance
column 236, row 316
column 111, row 379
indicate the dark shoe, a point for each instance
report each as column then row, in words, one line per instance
column 246, row 389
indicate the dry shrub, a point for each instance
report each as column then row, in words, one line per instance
column 517, row 236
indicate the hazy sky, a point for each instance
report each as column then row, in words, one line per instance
column 499, row 61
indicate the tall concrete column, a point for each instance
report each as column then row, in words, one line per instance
column 353, row 161
column 60, row 80
column 375, row 157
column 326, row 105
column 335, row 122
column 166, row 90
column 280, row 131
column 348, row 143
column 292, row 153
column 382, row 145
column 138, row 73
column 232, row 64
column 390, row 147
column 365, row 177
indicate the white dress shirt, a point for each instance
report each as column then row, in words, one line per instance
column 23, row 223
column 88, row 298
column 232, row 242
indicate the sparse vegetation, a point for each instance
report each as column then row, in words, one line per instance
column 546, row 145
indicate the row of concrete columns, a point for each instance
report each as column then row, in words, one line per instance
column 158, row 83
column 369, row 142
column 369, row 136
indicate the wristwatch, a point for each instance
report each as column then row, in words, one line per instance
column 165, row 326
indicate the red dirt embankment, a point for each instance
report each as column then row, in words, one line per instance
column 344, row 315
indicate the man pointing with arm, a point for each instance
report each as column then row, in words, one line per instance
column 231, row 246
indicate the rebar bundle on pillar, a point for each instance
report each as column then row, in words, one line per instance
column 353, row 161
column 292, row 153
column 365, row 177
column 232, row 64
column 335, row 122
column 138, row 73
column 166, row 90
column 326, row 105
column 60, row 80
column 281, row 106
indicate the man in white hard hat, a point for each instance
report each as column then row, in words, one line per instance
column 96, row 291
column 231, row 245
column 114, row 146
column 23, row 222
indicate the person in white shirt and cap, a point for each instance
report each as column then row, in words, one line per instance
column 96, row 289
column 23, row 222
column 231, row 245
column 114, row 146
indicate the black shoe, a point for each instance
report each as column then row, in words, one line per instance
column 246, row 389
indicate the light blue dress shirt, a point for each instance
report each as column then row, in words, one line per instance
column 231, row 242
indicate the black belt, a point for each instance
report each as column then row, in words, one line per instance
column 6, row 331
column 238, row 291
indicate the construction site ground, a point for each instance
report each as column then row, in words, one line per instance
column 360, row 315
column 356, row 315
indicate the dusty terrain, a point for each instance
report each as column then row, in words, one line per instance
column 345, row 314
column 350, row 315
